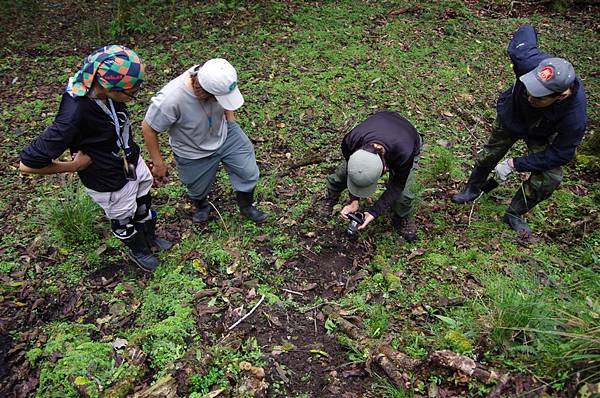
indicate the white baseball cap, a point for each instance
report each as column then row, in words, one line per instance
column 219, row 78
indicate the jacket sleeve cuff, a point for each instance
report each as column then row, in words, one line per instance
column 519, row 164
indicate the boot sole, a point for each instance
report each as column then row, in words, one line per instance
column 140, row 266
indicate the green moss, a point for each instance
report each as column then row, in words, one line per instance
column 83, row 365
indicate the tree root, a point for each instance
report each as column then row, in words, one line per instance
column 392, row 362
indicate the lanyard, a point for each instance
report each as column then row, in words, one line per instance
column 113, row 115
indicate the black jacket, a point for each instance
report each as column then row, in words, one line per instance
column 401, row 142
column 82, row 125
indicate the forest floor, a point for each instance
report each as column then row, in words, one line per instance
column 77, row 318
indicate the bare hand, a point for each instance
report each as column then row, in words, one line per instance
column 349, row 208
column 367, row 218
column 81, row 161
column 159, row 169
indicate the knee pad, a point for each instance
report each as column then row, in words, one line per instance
column 143, row 211
column 123, row 229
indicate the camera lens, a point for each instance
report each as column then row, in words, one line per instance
column 352, row 228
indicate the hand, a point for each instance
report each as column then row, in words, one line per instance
column 80, row 161
column 368, row 217
column 159, row 169
column 503, row 169
column 349, row 208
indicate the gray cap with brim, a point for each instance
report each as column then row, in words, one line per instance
column 364, row 169
column 552, row 75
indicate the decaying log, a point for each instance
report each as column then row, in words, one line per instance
column 390, row 360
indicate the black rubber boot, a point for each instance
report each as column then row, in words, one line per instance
column 516, row 222
column 153, row 240
column 140, row 253
column 406, row 226
column 245, row 202
column 472, row 189
column 202, row 211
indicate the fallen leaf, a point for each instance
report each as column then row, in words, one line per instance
column 281, row 373
column 320, row 352
column 214, row 393
column 199, row 266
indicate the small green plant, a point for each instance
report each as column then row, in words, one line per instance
column 202, row 383
column 70, row 215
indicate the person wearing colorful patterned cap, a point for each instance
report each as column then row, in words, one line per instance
column 93, row 123
column 197, row 110
column 545, row 107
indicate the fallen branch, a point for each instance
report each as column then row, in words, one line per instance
column 391, row 360
column 248, row 314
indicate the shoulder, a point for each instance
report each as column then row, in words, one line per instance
column 72, row 109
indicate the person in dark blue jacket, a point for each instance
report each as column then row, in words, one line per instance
column 93, row 122
column 545, row 107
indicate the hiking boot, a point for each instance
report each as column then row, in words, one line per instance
column 140, row 253
column 202, row 211
column 245, row 202
column 472, row 189
column 150, row 231
column 406, row 226
column 328, row 203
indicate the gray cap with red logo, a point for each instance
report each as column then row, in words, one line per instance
column 552, row 75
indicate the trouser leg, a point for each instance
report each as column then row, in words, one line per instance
column 539, row 186
column 337, row 182
column 487, row 158
column 404, row 205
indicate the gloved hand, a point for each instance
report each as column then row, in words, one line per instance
column 503, row 169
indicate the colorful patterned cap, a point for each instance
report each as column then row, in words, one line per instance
column 114, row 67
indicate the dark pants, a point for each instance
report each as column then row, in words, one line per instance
column 402, row 207
column 539, row 186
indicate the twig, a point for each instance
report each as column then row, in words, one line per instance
column 473, row 207
column 316, row 306
column 220, row 217
column 315, row 320
column 291, row 291
column 248, row 314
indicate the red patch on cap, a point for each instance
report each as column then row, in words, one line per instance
column 546, row 73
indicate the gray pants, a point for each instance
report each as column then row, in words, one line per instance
column 402, row 207
column 237, row 155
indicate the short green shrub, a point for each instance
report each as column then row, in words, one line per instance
column 70, row 215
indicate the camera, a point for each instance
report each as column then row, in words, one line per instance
column 129, row 169
column 356, row 220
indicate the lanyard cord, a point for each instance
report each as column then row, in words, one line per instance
column 113, row 115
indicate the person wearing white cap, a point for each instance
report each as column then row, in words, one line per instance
column 384, row 142
column 546, row 107
column 197, row 110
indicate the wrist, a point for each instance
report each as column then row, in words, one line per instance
column 511, row 163
column 157, row 160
